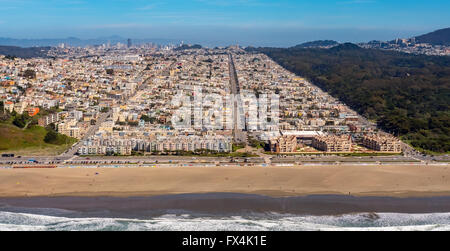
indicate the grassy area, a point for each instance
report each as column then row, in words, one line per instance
column 237, row 147
column 257, row 144
column 29, row 141
column 368, row 154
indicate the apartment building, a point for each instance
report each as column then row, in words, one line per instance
column 70, row 129
column 284, row 144
column 100, row 146
column 49, row 119
column 333, row 143
column 8, row 106
column 382, row 143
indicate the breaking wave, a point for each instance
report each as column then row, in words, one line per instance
column 15, row 221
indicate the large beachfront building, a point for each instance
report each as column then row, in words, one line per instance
column 333, row 143
column 100, row 146
column 119, row 148
column 284, row 144
column 382, row 143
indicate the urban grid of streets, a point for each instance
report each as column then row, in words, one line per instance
column 138, row 82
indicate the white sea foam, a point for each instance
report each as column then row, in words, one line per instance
column 257, row 222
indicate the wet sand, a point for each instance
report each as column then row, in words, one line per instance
column 220, row 204
column 399, row 181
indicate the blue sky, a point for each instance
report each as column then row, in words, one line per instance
column 258, row 22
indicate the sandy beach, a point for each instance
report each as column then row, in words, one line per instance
column 393, row 181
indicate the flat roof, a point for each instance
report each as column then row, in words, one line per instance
column 303, row 133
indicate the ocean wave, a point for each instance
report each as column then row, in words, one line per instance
column 13, row 221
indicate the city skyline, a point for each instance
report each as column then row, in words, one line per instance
column 250, row 22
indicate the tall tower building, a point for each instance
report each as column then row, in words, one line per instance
column 129, row 43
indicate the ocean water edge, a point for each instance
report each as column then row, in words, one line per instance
column 178, row 213
column 10, row 221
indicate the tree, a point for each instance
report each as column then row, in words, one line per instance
column 29, row 73
column 22, row 120
column 104, row 110
column 133, row 123
column 51, row 127
column 146, row 118
column 4, row 115
column 51, row 137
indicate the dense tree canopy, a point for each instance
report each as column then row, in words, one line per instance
column 14, row 51
column 22, row 120
column 29, row 73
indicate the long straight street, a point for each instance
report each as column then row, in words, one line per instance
column 239, row 135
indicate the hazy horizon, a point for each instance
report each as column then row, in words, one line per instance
column 213, row 23
column 264, row 37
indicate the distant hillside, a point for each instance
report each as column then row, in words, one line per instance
column 439, row 37
column 315, row 44
column 73, row 41
column 408, row 95
column 345, row 47
column 24, row 52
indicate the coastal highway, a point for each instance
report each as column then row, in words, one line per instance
column 239, row 135
column 206, row 161
column 112, row 160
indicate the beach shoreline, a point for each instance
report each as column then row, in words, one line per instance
column 221, row 204
column 389, row 180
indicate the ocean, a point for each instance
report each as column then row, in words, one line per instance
column 258, row 222
column 147, row 214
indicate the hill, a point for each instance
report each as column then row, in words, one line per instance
column 29, row 142
column 20, row 52
column 188, row 47
column 20, row 134
column 318, row 43
column 439, row 37
column 408, row 95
